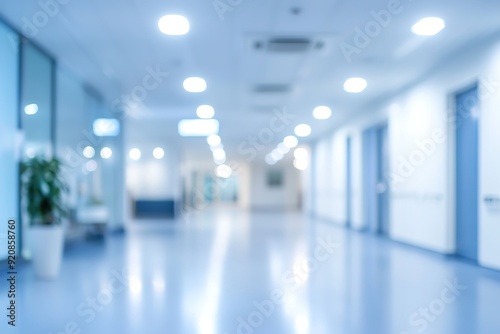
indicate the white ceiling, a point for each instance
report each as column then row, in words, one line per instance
column 110, row 43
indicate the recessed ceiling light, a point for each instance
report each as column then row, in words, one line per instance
column 291, row 141
column 91, row 165
column 214, row 140
column 106, row 127
column 88, row 152
column 158, row 153
column 220, row 161
column 355, row 85
column 322, row 112
column 216, row 147
column 205, row 111
column 301, row 154
column 106, row 153
column 134, row 154
column 300, row 164
column 428, row 26
column 30, row 152
column 198, row 127
column 223, row 171
column 31, row 109
column 303, row 130
column 173, row 25
column 219, row 154
column 195, row 85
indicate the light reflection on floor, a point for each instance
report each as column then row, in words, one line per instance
column 222, row 272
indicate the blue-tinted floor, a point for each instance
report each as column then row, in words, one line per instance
column 233, row 272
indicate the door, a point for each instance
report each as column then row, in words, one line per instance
column 382, row 180
column 375, row 179
column 467, row 139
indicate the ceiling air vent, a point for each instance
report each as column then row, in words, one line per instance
column 272, row 88
column 288, row 44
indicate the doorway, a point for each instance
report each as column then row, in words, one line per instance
column 375, row 179
column 467, row 148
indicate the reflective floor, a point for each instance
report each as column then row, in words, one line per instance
column 231, row 272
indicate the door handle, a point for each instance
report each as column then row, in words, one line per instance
column 381, row 188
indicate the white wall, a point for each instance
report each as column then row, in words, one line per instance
column 422, row 155
column 152, row 179
column 9, row 138
column 245, row 186
column 339, row 177
column 308, row 188
column 420, row 196
column 329, row 169
column 423, row 204
column 331, row 178
column 263, row 197
column 321, row 166
column 356, row 179
column 489, row 162
column 253, row 191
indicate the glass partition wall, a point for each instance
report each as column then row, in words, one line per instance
column 28, row 129
column 9, row 133
column 37, row 75
column 37, row 112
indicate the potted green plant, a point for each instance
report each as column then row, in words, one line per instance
column 44, row 190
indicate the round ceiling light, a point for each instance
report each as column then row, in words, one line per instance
column 322, row 112
column 135, row 154
column 205, row 111
column 106, row 153
column 303, row 130
column 174, row 25
column 195, row 85
column 214, row 140
column 301, row 154
column 31, row 109
column 88, row 152
column 291, row 141
column 428, row 26
column 355, row 85
column 158, row 153
column 223, row 171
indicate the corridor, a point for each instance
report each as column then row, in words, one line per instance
column 250, row 167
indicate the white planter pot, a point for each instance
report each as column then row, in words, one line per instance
column 47, row 250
